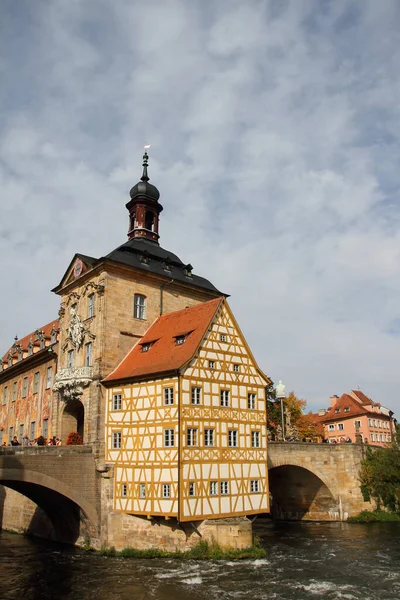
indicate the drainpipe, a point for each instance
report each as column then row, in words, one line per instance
column 162, row 286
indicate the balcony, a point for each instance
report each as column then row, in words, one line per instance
column 71, row 381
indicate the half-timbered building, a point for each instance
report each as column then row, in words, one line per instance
column 186, row 420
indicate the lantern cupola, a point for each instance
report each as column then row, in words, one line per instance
column 144, row 208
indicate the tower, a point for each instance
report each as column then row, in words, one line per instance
column 144, row 208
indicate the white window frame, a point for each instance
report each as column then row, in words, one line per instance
column 36, row 381
column 251, row 401
column 88, row 354
column 90, row 306
column 142, row 490
column 139, row 307
column 169, row 438
column 232, row 438
column 192, row 489
column 211, row 364
column 166, row 490
column 224, row 488
column 117, row 402
column 116, row 440
column 196, row 395
column 209, row 437
column 168, row 396
column 340, row 426
column 331, row 427
column 236, row 367
column 191, row 436
column 49, row 377
column 213, row 488
column 124, row 490
column 224, row 398
column 222, row 337
column 254, row 486
column 70, row 359
column 255, row 439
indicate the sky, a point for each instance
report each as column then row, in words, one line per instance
column 274, row 129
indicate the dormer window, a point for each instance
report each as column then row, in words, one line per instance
column 337, row 410
column 167, row 265
column 180, row 339
column 30, row 347
column 144, row 257
column 53, row 334
column 10, row 360
column 346, row 409
column 188, row 270
column 146, row 347
column 19, row 353
column 42, row 342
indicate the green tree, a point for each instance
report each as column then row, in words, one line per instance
column 273, row 410
column 380, row 475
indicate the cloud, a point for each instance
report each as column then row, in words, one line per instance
column 274, row 131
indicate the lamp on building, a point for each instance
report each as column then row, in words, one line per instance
column 280, row 392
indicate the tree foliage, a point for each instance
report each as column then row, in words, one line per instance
column 294, row 413
column 380, row 475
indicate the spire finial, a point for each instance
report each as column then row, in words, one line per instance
column 145, row 176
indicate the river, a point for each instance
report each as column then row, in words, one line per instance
column 305, row 560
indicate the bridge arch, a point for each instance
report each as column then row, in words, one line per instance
column 71, row 516
column 300, row 491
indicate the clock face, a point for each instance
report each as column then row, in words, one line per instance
column 78, row 266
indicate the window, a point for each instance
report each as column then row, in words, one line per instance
column 191, row 437
column 116, row 440
column 169, row 435
column 254, row 485
column 168, row 395
column 211, row 364
column 372, row 437
column 36, row 379
column 117, row 401
column 5, row 394
column 142, row 490
column 370, row 422
column 21, row 434
column 1, row 438
column 209, row 437
column 30, row 347
column 224, row 488
column 146, row 347
column 49, row 377
column 10, row 434
column 340, row 426
column 88, row 354
column 337, row 410
column 53, row 335
column 331, row 428
column 255, row 439
column 251, row 401
column 14, row 392
column 346, row 409
column 222, row 337
column 90, row 306
column 224, row 394
column 213, row 488
column 139, row 306
column 180, row 339
column 42, row 342
column 236, row 368
column 191, row 488
column 45, row 428
column 166, row 490
column 381, row 437
column 25, row 387
column 33, row 430
column 357, row 424
column 70, row 359
column 196, row 395
column 232, row 438
column 124, row 488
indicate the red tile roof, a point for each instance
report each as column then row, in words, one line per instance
column 345, row 401
column 25, row 340
column 362, row 397
column 164, row 354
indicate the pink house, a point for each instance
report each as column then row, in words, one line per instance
column 356, row 414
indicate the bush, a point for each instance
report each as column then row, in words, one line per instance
column 374, row 516
column 74, row 439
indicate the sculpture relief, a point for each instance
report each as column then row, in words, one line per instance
column 76, row 330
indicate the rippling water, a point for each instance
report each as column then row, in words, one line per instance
column 305, row 560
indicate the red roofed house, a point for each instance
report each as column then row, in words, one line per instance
column 355, row 414
column 186, row 422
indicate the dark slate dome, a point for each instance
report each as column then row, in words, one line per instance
column 144, row 188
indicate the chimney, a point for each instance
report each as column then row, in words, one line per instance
column 322, row 412
column 334, row 399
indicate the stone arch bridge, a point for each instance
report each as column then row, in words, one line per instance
column 307, row 481
column 317, row 482
column 63, row 484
